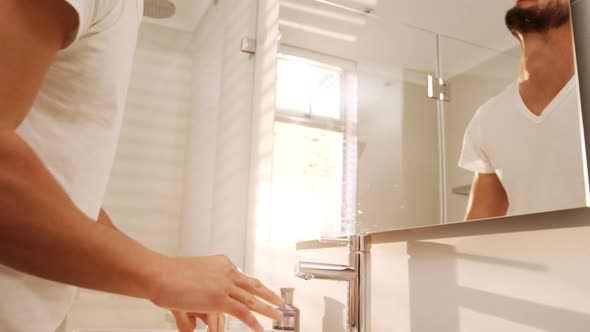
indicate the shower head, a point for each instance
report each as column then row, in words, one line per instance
column 158, row 8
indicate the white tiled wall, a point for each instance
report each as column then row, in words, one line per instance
column 218, row 157
column 145, row 193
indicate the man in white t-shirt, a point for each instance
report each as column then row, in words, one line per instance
column 64, row 71
column 525, row 145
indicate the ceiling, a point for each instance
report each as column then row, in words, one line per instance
column 478, row 22
column 400, row 34
column 395, row 33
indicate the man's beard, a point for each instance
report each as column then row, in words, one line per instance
column 534, row 19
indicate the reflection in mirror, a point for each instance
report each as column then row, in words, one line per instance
column 524, row 144
column 390, row 116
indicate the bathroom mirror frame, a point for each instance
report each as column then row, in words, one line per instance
column 265, row 76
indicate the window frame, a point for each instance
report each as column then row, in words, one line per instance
column 346, row 124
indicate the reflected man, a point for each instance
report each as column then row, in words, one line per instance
column 525, row 144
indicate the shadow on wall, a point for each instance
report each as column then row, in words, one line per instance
column 333, row 315
column 436, row 297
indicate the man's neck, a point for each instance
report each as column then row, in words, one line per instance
column 547, row 65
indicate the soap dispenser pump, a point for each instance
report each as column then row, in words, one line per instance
column 290, row 321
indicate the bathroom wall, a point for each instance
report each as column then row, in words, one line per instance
column 144, row 194
column 218, row 155
column 398, row 167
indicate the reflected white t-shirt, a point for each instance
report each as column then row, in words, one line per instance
column 538, row 159
column 73, row 126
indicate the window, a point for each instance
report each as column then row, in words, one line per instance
column 314, row 158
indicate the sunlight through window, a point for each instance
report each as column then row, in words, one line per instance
column 306, row 88
column 311, row 158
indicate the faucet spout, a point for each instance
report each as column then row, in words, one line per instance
column 311, row 270
column 356, row 274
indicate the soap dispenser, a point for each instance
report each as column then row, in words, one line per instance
column 290, row 321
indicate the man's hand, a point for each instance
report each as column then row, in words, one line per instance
column 203, row 287
column 210, row 285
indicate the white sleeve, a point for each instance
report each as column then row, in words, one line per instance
column 85, row 10
column 89, row 11
column 473, row 155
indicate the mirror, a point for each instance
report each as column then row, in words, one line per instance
column 397, row 114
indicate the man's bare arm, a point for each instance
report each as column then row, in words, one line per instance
column 31, row 33
column 38, row 218
column 43, row 233
column 488, row 198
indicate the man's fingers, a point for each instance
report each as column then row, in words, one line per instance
column 212, row 322
column 254, row 286
column 184, row 322
column 253, row 303
column 242, row 312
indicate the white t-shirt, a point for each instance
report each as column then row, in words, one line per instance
column 73, row 126
column 538, row 159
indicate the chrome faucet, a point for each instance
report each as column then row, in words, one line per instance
column 309, row 270
column 356, row 274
